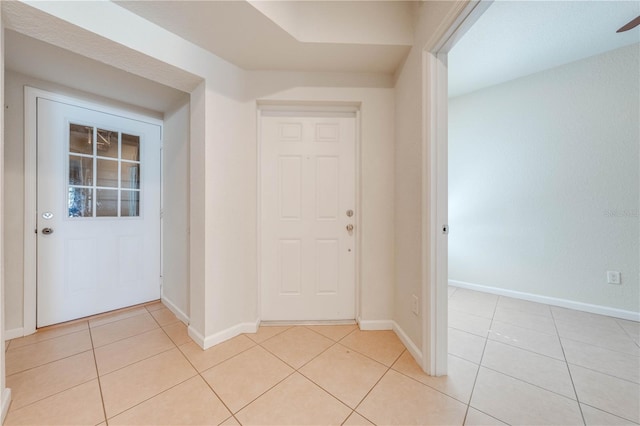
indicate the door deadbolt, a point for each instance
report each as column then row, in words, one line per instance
column 349, row 213
column 47, row 231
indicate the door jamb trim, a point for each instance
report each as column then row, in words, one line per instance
column 434, row 165
column 339, row 108
column 30, row 264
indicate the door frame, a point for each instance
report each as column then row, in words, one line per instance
column 31, row 94
column 435, row 177
column 310, row 108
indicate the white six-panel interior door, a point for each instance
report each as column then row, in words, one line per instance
column 307, row 223
column 98, row 211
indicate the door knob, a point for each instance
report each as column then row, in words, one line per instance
column 349, row 227
column 47, row 231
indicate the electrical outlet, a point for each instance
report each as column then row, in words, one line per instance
column 414, row 304
column 613, row 277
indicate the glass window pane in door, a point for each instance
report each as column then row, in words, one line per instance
column 107, row 173
column 107, row 143
column 80, row 139
column 130, row 176
column 80, row 170
column 130, row 147
column 80, row 202
column 107, row 202
column 130, row 203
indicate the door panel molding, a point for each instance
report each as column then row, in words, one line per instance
column 310, row 109
column 31, row 96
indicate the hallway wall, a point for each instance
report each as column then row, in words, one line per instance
column 13, row 211
column 175, row 210
column 376, row 229
column 544, row 184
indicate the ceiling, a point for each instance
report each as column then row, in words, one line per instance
column 54, row 64
column 332, row 36
column 517, row 38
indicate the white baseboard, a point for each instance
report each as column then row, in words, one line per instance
column 196, row 336
column 224, row 335
column 408, row 343
column 6, row 401
column 375, row 324
column 372, row 325
column 176, row 311
column 14, row 333
column 563, row 303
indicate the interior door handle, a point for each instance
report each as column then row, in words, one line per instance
column 47, row 231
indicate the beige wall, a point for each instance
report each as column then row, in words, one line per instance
column 376, row 171
column 222, row 157
column 13, row 211
column 175, row 210
column 412, row 170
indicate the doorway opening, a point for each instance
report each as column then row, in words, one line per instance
column 308, row 213
column 92, row 209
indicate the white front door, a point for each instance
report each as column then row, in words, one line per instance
column 98, row 210
column 308, row 201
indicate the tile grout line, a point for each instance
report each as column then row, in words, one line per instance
column 48, row 362
column 573, row 385
column 199, row 374
column 11, row 409
column 26, row 345
column 475, row 380
column 177, row 384
column 633, row 422
column 95, row 363
column 376, row 384
column 124, row 319
column 297, row 370
column 144, row 359
column 627, row 332
column 431, row 387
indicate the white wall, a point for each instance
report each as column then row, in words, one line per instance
column 376, row 156
column 175, row 210
column 544, row 182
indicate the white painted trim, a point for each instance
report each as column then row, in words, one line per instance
column 30, row 223
column 435, row 247
column 377, row 325
column 259, row 209
column 408, row 343
column 196, row 336
column 276, row 107
column 30, row 266
column 553, row 301
column 434, row 177
column 313, row 108
column 6, row 402
column 14, row 333
column 176, row 311
column 224, row 335
column 358, row 214
column 368, row 325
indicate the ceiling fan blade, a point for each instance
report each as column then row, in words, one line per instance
column 634, row 23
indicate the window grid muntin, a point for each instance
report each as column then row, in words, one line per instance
column 95, row 187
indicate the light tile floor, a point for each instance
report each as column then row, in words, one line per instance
column 510, row 362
